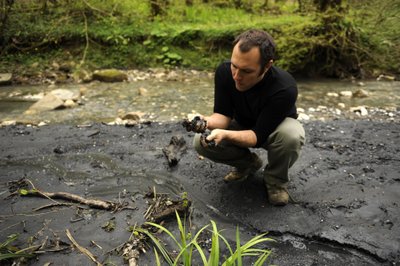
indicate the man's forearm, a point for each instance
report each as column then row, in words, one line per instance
column 217, row 121
column 242, row 138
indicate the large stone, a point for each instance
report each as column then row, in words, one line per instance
column 110, row 75
column 64, row 94
column 47, row 103
column 5, row 79
column 346, row 93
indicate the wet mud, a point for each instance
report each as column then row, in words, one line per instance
column 346, row 188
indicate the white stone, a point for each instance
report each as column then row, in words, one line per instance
column 303, row 117
column 346, row 93
column 360, row 110
column 332, row 94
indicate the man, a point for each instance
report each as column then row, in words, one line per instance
column 254, row 107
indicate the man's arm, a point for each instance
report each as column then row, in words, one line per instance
column 217, row 121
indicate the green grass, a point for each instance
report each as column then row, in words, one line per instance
column 10, row 252
column 188, row 246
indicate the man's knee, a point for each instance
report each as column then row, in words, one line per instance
column 197, row 145
column 287, row 137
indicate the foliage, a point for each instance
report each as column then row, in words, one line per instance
column 127, row 33
column 189, row 245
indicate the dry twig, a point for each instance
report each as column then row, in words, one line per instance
column 81, row 249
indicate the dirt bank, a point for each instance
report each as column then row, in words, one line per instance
column 346, row 186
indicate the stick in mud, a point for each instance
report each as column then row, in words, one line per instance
column 95, row 203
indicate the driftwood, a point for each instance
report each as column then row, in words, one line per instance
column 94, row 203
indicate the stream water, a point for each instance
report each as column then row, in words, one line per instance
column 168, row 100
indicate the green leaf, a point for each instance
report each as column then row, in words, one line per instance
column 23, row 192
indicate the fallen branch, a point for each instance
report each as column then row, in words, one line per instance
column 80, row 248
column 95, row 203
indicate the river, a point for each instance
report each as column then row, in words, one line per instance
column 165, row 97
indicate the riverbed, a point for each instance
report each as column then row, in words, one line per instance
column 345, row 186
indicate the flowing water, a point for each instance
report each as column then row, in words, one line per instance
column 162, row 100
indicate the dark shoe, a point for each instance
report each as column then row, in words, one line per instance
column 242, row 174
column 277, row 194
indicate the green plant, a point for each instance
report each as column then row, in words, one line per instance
column 169, row 58
column 186, row 245
column 7, row 251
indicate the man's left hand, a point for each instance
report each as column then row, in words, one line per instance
column 217, row 135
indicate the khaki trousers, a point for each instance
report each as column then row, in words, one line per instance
column 283, row 146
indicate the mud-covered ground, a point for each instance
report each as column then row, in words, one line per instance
column 346, row 186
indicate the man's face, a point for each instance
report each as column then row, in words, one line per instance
column 245, row 67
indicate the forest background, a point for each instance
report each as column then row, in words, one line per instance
column 329, row 38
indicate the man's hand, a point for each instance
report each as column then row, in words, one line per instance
column 242, row 138
column 217, row 135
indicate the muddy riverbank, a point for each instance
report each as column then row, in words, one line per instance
column 346, row 186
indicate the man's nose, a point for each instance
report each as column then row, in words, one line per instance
column 236, row 75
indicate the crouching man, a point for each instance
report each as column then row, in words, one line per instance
column 254, row 107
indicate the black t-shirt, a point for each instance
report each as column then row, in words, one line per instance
column 261, row 108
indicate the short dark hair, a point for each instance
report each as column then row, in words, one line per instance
column 260, row 39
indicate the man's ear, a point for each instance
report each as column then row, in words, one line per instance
column 268, row 66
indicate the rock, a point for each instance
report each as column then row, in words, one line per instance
column 131, row 116
column 303, row 117
column 172, row 76
column 55, row 65
column 83, row 91
column 360, row 93
column 361, row 84
column 42, row 123
column 47, row 103
column 385, row 77
column 346, row 93
column 332, row 94
column 110, row 75
column 65, row 95
column 360, row 110
column 5, row 79
column 69, row 103
column 34, row 97
column 341, row 105
column 142, row 91
column 82, row 76
column 8, row 123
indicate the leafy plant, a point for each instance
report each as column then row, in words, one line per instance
column 169, row 58
column 187, row 244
